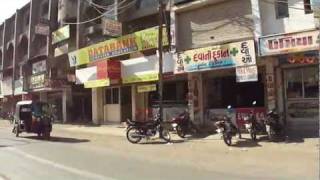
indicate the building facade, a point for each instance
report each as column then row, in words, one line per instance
column 99, row 63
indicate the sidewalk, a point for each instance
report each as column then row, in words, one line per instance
column 112, row 129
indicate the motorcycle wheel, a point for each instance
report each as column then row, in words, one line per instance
column 180, row 132
column 165, row 135
column 133, row 135
column 227, row 139
column 46, row 134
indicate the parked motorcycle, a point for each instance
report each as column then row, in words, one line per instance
column 183, row 125
column 252, row 125
column 274, row 127
column 226, row 128
column 138, row 130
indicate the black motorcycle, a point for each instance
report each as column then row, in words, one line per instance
column 274, row 127
column 252, row 125
column 227, row 129
column 183, row 125
column 138, row 130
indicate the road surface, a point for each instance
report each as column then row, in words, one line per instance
column 72, row 155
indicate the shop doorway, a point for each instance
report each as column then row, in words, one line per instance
column 302, row 100
column 112, row 107
column 126, row 103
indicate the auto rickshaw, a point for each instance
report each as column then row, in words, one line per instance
column 32, row 117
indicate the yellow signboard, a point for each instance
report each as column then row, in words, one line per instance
column 97, row 83
column 138, row 41
column 147, row 88
column 61, row 34
column 141, row 78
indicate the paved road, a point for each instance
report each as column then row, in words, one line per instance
column 86, row 156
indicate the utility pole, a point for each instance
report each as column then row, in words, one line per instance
column 160, row 51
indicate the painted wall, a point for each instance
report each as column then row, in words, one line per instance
column 297, row 20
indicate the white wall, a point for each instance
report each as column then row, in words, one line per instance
column 297, row 20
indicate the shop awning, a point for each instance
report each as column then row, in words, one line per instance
column 99, row 74
column 145, row 69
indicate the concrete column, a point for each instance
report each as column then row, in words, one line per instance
column 97, row 106
column 195, row 98
column 134, row 105
column 270, row 85
column 66, row 105
column 43, row 97
column 256, row 18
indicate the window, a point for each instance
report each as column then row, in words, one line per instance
column 302, row 82
column 112, row 96
column 307, row 7
column 282, row 9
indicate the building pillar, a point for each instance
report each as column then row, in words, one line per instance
column 66, row 105
column 195, row 98
column 134, row 105
column 97, row 106
column 43, row 97
column 270, row 85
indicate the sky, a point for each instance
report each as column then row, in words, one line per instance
column 9, row 7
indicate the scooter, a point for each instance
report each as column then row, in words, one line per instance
column 227, row 129
column 273, row 126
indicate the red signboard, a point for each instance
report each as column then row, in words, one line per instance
column 260, row 113
column 108, row 69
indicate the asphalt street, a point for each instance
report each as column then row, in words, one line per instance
column 72, row 155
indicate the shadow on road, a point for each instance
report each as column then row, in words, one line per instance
column 59, row 139
column 245, row 142
column 162, row 142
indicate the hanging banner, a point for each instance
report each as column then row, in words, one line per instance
column 147, row 88
column 247, row 74
column 138, row 41
column 97, row 83
column 288, row 43
column 214, row 57
column 61, row 34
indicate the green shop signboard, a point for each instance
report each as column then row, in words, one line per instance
column 138, row 41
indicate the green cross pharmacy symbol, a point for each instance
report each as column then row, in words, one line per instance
column 187, row 59
column 234, row 51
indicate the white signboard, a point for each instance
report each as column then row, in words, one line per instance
column 216, row 57
column 288, row 43
column 42, row 29
column 86, row 74
column 247, row 73
column 39, row 67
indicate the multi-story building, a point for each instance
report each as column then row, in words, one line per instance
column 290, row 47
column 100, row 61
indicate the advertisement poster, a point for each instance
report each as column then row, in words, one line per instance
column 138, row 41
column 215, row 57
column 39, row 67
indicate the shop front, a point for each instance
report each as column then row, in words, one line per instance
column 223, row 75
column 297, row 56
column 142, row 75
